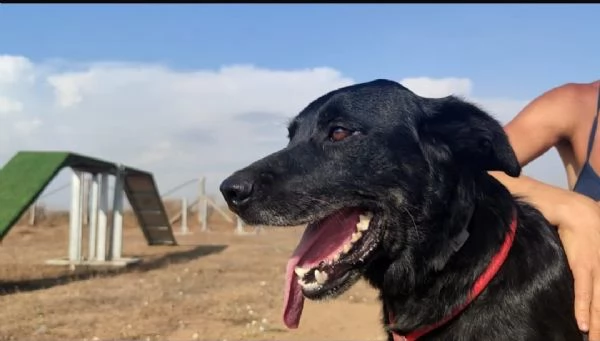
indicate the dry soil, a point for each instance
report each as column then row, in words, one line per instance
column 213, row 286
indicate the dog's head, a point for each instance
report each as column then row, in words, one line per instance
column 361, row 164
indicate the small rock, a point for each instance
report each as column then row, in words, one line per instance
column 253, row 322
column 251, row 312
column 178, row 279
column 264, row 321
column 248, row 307
column 41, row 329
column 195, row 336
column 263, row 283
column 261, row 328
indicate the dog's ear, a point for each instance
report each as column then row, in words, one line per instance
column 472, row 136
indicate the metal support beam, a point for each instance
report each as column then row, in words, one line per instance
column 117, row 219
column 75, row 218
column 202, row 205
column 240, row 226
column 93, row 219
column 32, row 212
column 184, row 214
column 85, row 199
column 105, row 243
column 102, row 219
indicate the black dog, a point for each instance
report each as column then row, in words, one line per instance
column 394, row 187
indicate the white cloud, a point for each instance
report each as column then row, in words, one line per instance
column 15, row 69
column 27, row 127
column 177, row 124
column 440, row 87
column 8, row 106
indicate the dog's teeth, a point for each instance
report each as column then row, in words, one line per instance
column 356, row 236
column 336, row 257
column 321, row 276
column 301, row 271
column 312, row 286
column 347, row 248
column 363, row 223
column 309, row 286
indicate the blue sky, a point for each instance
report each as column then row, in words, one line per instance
column 78, row 77
column 512, row 50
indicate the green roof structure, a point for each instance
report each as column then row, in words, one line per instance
column 26, row 175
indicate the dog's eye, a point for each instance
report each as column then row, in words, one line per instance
column 339, row 133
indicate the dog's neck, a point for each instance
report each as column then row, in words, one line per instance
column 410, row 285
column 478, row 287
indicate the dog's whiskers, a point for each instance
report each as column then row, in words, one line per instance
column 414, row 224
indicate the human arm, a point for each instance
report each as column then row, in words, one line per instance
column 578, row 220
column 547, row 121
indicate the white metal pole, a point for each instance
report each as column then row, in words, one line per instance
column 203, row 204
column 117, row 225
column 82, row 213
column 93, row 224
column 240, row 226
column 75, row 218
column 85, row 199
column 102, row 219
column 184, row 212
column 199, row 208
column 32, row 213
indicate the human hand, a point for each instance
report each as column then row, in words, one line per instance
column 579, row 230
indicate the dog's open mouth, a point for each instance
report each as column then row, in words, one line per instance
column 327, row 260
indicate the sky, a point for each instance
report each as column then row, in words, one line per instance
column 201, row 90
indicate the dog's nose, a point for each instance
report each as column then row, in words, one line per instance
column 236, row 190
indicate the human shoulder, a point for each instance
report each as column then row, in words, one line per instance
column 572, row 94
column 561, row 114
column 563, row 107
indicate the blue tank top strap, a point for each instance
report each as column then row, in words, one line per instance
column 588, row 181
column 592, row 136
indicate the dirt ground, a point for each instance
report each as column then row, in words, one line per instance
column 213, row 286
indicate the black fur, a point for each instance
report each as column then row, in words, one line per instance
column 420, row 165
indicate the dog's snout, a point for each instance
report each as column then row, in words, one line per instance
column 237, row 190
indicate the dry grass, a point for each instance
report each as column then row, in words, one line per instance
column 213, row 286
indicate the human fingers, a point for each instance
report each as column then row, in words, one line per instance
column 583, row 296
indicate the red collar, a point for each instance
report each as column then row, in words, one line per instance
column 480, row 284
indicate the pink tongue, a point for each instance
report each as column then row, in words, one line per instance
column 319, row 242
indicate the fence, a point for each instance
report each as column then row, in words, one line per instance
column 179, row 208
